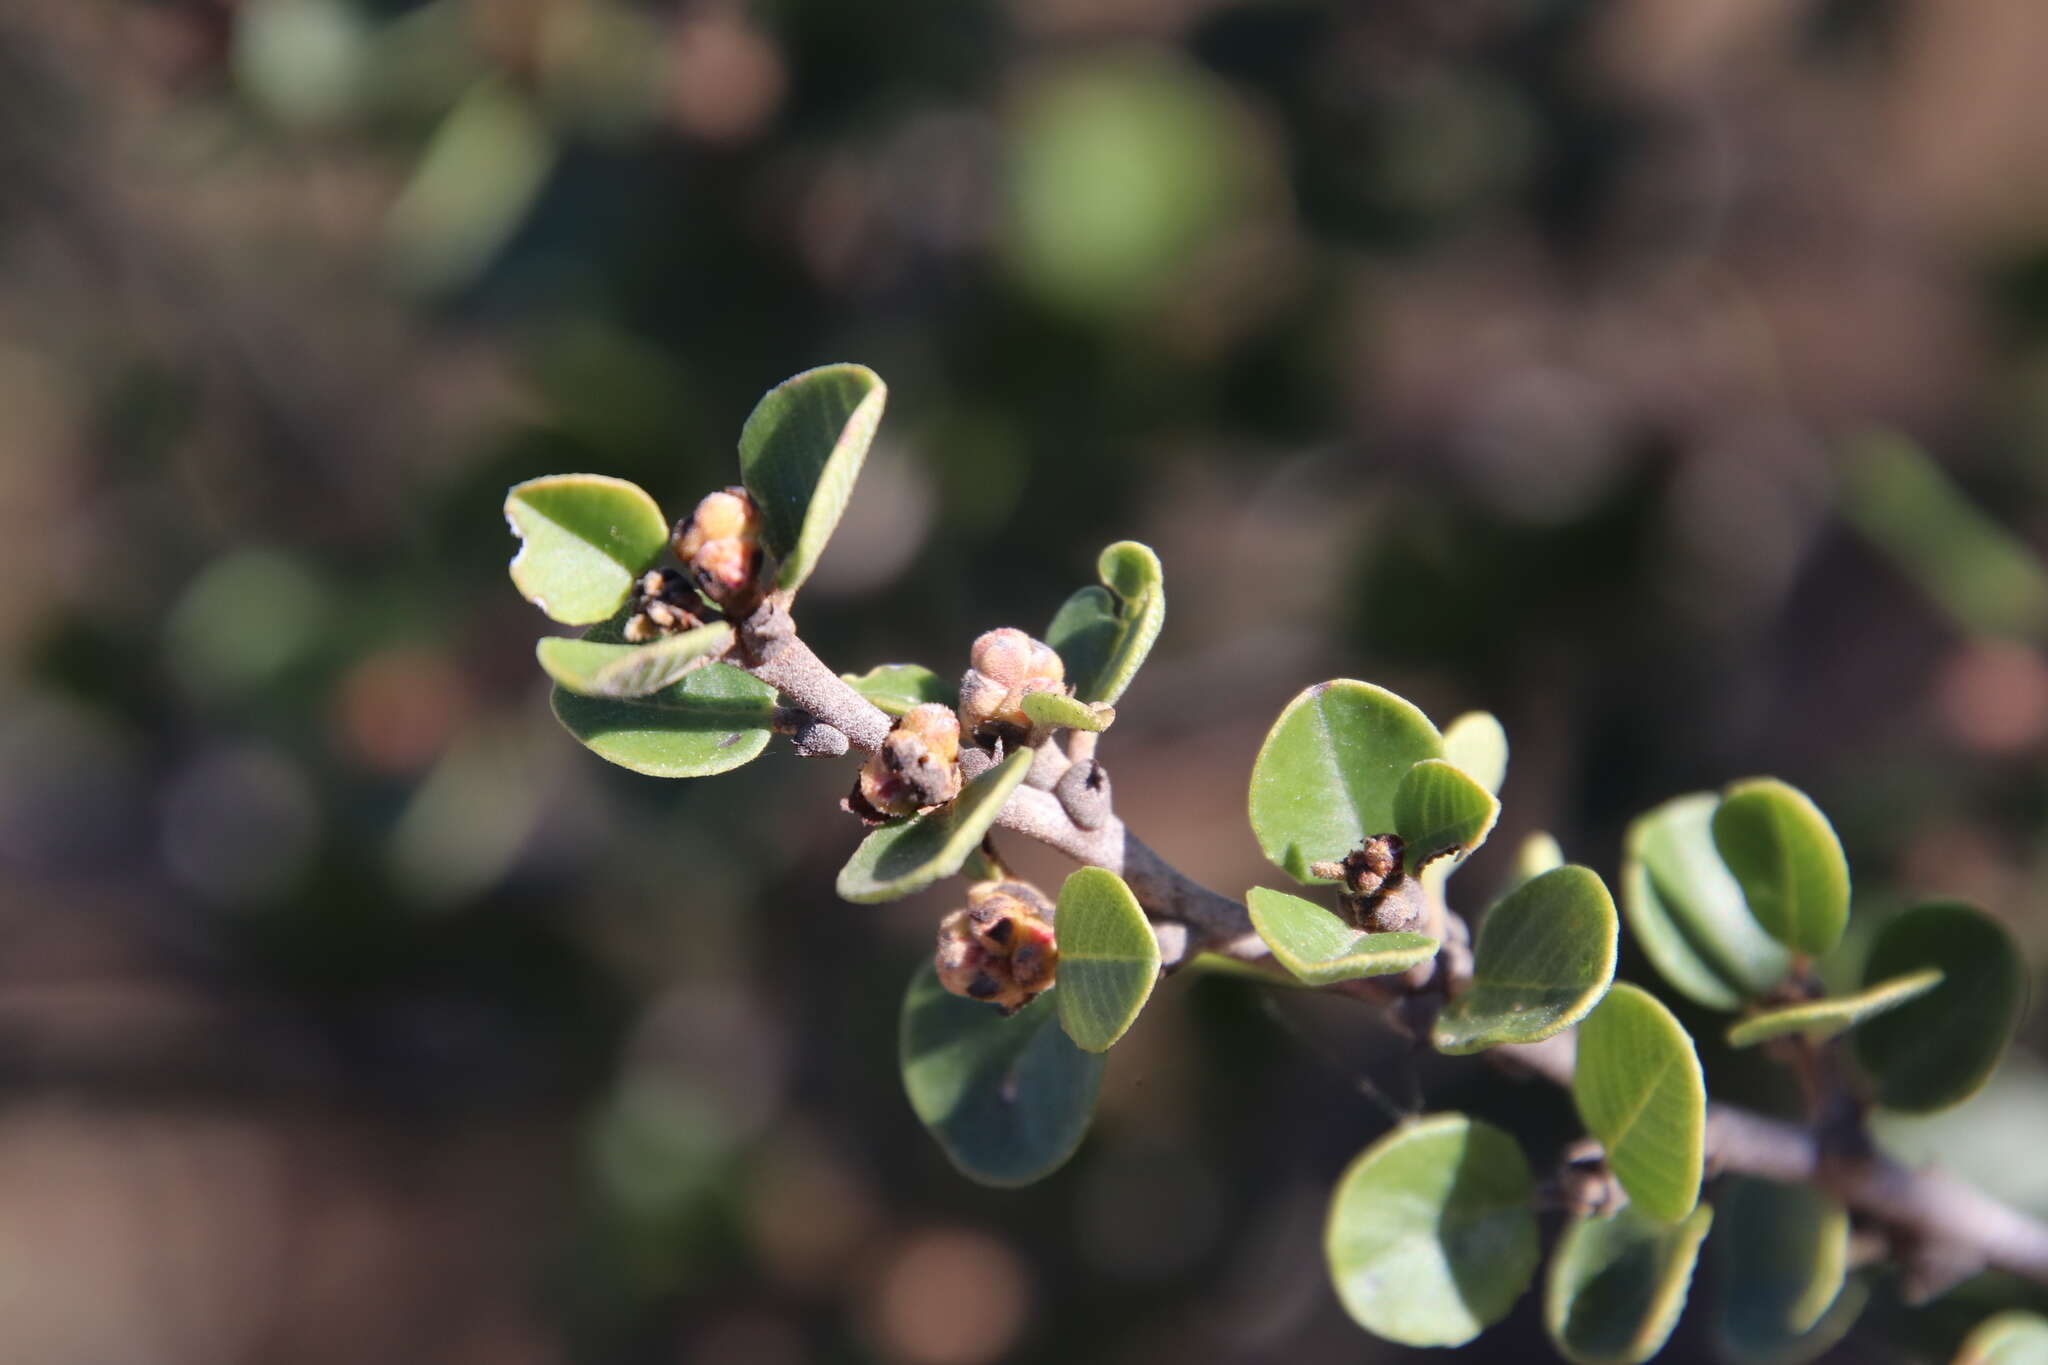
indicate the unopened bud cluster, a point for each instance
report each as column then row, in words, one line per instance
column 917, row 767
column 1378, row 894
column 1000, row 948
column 662, row 602
column 720, row 547
column 1006, row 666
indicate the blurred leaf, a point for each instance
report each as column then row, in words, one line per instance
column 1109, row 959
column 1937, row 1050
column 1781, row 1252
column 302, row 61
column 1008, row 1099
column 1976, row 570
column 479, row 175
column 1617, row 1284
column 1320, row 948
column 1789, row 863
column 1326, row 776
column 1639, row 1090
column 1826, row 1018
column 464, row 826
column 1104, row 634
column 2014, row 1337
column 1476, row 742
column 248, row 617
column 1688, row 913
column 584, row 539
column 1054, row 710
column 1538, row 854
column 1439, row 807
column 898, row 687
column 800, row 455
column 1432, row 1231
column 1545, row 956
column 596, row 668
column 898, row 859
column 1814, row 1342
column 714, row 720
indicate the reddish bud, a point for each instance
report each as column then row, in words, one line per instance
column 1000, row 948
column 918, row 765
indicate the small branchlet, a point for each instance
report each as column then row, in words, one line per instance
column 916, row 767
column 1000, row 947
column 1004, row 667
column 720, row 547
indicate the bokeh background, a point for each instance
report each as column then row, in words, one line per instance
column 1669, row 376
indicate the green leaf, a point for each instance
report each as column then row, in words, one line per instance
column 1786, row 857
column 897, row 687
column 1688, row 913
column 898, row 859
column 1432, row 1231
column 1938, row 1050
column 1109, row 959
column 1639, row 1090
column 1320, row 948
column 1438, row 807
column 584, row 539
column 1008, row 1099
column 1826, row 1018
column 596, row 668
column 1102, row 635
column 2014, row 1337
column 1539, row 853
column 1617, row 1285
column 800, row 453
column 1814, row 1342
column 1476, row 742
column 1780, row 1253
column 1326, row 776
column 713, row 721
column 1054, row 710
column 1545, row 956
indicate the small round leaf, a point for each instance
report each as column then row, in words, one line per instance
column 2014, row 1337
column 1439, row 808
column 1326, row 776
column 1789, row 863
column 1009, row 1099
column 1476, row 742
column 1432, row 1231
column 1826, row 1018
column 898, row 859
column 1938, row 1050
column 596, row 668
column 1688, row 913
column 1109, row 958
column 800, row 455
column 895, row 688
column 1545, row 956
column 1103, row 634
column 714, row 720
column 1617, row 1285
column 584, row 538
column 1639, row 1090
column 1057, row 711
column 1320, row 948
column 1780, row 1254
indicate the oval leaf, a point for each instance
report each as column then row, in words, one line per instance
column 1326, row 776
column 1938, row 1050
column 1780, row 1254
column 1439, row 808
column 1103, row 634
column 596, row 668
column 800, row 454
column 1617, row 1285
column 584, row 539
column 2014, row 1337
column 1639, row 1090
column 1009, row 1099
column 714, row 720
column 1432, row 1231
column 1109, row 959
column 1789, row 863
column 1057, row 711
column 1320, row 948
column 1826, row 1018
column 1688, row 912
column 1476, row 742
column 895, row 688
column 898, row 859
column 1545, row 956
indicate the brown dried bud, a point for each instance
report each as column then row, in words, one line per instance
column 918, row 765
column 662, row 601
column 1378, row 895
column 720, row 546
column 1000, row 948
column 1004, row 667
